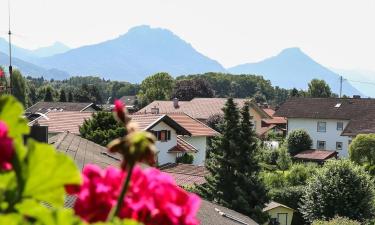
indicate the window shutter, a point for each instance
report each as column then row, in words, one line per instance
column 169, row 135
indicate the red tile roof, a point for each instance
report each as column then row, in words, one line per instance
column 198, row 108
column 275, row 120
column 316, row 155
column 269, row 111
column 183, row 146
column 264, row 130
column 185, row 174
column 144, row 121
column 195, row 127
column 191, row 125
column 59, row 122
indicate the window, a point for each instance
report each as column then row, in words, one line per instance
column 322, row 126
column 162, row 135
column 340, row 125
column 321, row 145
column 338, row 145
column 349, row 142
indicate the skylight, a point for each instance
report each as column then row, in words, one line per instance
column 338, row 105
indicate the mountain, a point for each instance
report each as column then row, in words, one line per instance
column 56, row 48
column 361, row 79
column 140, row 52
column 293, row 68
column 17, row 52
column 29, row 69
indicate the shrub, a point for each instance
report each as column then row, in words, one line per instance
column 339, row 188
column 362, row 151
column 298, row 140
column 185, row 158
column 337, row 221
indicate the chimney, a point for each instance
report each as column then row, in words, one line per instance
column 175, row 103
column 356, row 96
column 154, row 110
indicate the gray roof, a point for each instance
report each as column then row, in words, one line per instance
column 43, row 107
column 209, row 214
column 84, row 151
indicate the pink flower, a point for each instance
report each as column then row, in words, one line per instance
column 152, row 198
column 6, row 148
column 119, row 110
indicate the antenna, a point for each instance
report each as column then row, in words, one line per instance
column 340, row 86
column 10, row 51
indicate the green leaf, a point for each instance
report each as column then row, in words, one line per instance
column 11, row 112
column 47, row 172
column 47, row 216
column 12, row 219
column 118, row 221
column 33, row 209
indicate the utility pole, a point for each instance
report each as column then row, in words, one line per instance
column 340, row 86
column 10, row 52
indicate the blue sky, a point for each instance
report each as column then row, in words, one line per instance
column 337, row 33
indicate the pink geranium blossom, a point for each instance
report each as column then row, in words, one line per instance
column 152, row 198
column 119, row 110
column 6, row 148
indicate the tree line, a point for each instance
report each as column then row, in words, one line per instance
column 160, row 86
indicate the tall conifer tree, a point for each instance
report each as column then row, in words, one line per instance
column 234, row 181
column 62, row 96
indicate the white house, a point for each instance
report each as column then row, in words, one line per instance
column 332, row 123
column 176, row 135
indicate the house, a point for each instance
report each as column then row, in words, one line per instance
column 279, row 212
column 318, row 156
column 62, row 121
column 332, row 123
column 274, row 124
column 185, row 175
column 35, row 111
column 176, row 134
column 202, row 108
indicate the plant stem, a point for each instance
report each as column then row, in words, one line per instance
column 125, row 185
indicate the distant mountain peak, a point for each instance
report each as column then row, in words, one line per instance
column 295, row 52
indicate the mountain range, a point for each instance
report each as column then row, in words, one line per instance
column 143, row 51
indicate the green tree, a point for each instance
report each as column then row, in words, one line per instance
column 62, row 96
column 362, row 151
column 339, row 188
column 319, row 89
column 186, row 90
column 19, row 86
column 70, row 96
column 234, row 181
column 101, row 128
column 294, row 93
column 156, row 87
column 48, row 97
column 298, row 140
column 284, row 160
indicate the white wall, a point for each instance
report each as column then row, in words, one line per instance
column 200, row 143
column 331, row 136
column 163, row 147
